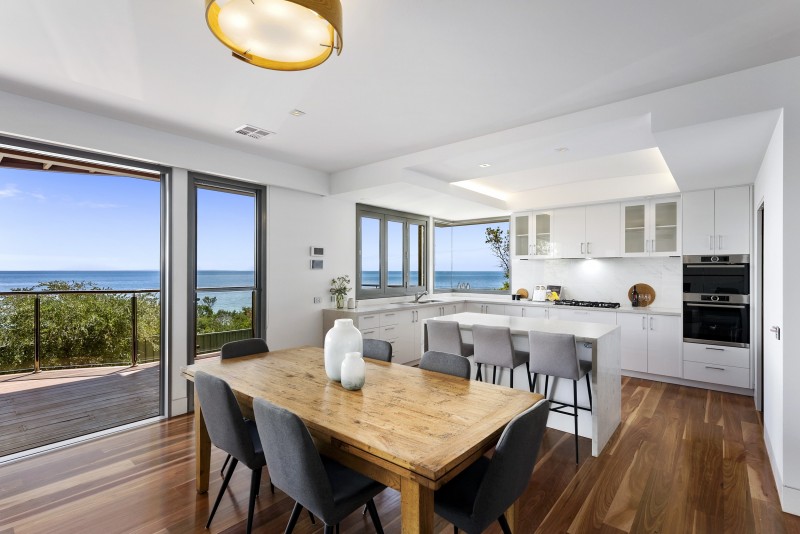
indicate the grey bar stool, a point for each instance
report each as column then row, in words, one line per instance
column 556, row 355
column 493, row 346
column 445, row 336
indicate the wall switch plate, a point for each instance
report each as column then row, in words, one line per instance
column 317, row 300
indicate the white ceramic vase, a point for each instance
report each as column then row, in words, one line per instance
column 341, row 339
column 354, row 371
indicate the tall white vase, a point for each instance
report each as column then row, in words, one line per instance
column 341, row 339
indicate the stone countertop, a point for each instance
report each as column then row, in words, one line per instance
column 582, row 331
column 439, row 300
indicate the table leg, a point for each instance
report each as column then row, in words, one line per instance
column 202, row 448
column 416, row 506
column 512, row 516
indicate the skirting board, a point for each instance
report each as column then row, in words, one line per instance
column 689, row 383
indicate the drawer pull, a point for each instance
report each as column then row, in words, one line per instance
column 389, row 315
column 369, row 317
column 389, row 328
column 368, row 332
column 717, row 368
column 714, row 348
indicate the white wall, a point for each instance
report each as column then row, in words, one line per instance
column 295, row 222
column 768, row 189
column 606, row 279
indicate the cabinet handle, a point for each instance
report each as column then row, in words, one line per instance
column 716, row 368
column 719, row 239
column 651, row 323
column 711, row 242
column 369, row 317
column 389, row 315
column 714, row 348
column 368, row 332
column 582, row 247
column 530, row 249
column 644, row 322
column 588, row 247
column 386, row 329
column 547, row 313
column 523, row 312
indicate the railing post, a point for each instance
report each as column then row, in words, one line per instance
column 135, row 330
column 37, row 336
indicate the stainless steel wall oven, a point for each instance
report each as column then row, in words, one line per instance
column 716, row 300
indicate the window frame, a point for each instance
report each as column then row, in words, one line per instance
column 444, row 223
column 407, row 219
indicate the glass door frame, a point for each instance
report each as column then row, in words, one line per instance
column 259, row 193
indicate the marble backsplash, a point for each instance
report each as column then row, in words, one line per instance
column 606, row 279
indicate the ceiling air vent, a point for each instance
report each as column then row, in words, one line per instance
column 253, row 131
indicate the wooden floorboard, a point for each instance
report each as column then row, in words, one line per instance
column 51, row 406
column 684, row 460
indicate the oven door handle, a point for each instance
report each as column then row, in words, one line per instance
column 737, row 306
column 716, row 266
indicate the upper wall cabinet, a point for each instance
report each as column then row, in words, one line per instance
column 716, row 221
column 651, row 227
column 586, row 232
column 531, row 238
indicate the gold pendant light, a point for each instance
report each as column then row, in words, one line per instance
column 278, row 34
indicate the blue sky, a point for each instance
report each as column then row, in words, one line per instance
column 63, row 221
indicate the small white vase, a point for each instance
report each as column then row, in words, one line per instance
column 354, row 371
column 341, row 339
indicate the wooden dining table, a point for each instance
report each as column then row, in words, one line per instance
column 410, row 429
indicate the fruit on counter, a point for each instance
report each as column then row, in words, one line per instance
column 553, row 296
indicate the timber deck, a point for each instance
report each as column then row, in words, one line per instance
column 52, row 406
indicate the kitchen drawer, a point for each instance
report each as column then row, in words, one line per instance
column 588, row 316
column 717, row 374
column 395, row 317
column 717, row 355
column 369, row 321
column 388, row 333
column 371, row 333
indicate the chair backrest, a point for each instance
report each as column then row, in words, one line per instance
column 243, row 347
column 511, row 465
column 444, row 336
column 554, row 355
column 224, row 420
column 493, row 345
column 444, row 362
column 377, row 349
column 293, row 461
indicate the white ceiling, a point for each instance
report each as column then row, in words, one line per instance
column 413, row 76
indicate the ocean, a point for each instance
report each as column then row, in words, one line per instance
column 232, row 300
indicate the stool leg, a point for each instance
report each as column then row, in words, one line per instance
column 494, row 374
column 528, row 370
column 589, row 390
column 533, row 384
column 546, row 380
column 512, row 377
column 575, row 400
column 478, row 376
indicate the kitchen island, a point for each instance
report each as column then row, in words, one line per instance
column 604, row 343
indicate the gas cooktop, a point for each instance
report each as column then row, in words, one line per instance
column 586, row 304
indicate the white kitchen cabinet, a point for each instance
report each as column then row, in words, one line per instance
column 587, row 316
column 728, row 366
column 586, row 232
column 716, row 221
column 477, row 307
column 533, row 312
column 651, row 343
column 651, row 227
column 531, row 236
column 398, row 329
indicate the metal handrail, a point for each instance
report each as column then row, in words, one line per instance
column 37, row 343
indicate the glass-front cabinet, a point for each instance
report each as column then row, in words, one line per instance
column 651, row 227
column 530, row 235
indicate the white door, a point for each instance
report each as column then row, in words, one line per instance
column 665, row 236
column 634, row 228
column 569, row 232
column 534, row 312
column 698, row 223
column 732, row 220
column 473, row 307
column 541, row 237
column 664, row 345
column 521, row 235
column 494, row 309
column 633, row 341
column 515, row 311
column 602, row 231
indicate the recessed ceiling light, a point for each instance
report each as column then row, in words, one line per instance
column 297, row 113
column 562, row 149
column 484, row 165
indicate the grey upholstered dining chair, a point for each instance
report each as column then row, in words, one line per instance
column 445, row 336
column 232, row 433
column 480, row 495
column 325, row 487
column 377, row 349
column 243, row 347
column 444, row 362
column 237, row 349
column 493, row 346
column 556, row 355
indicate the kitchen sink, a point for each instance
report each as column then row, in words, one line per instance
column 415, row 303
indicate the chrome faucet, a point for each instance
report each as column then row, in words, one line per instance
column 418, row 296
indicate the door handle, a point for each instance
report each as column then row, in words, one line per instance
column 644, row 323
column 719, row 239
column 777, row 331
column 523, row 312
column 647, row 245
column 711, row 242
column 547, row 313
column 651, row 323
column 582, row 247
column 588, row 247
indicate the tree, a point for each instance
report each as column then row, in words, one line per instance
column 500, row 245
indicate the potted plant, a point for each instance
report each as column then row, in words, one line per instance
column 340, row 290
